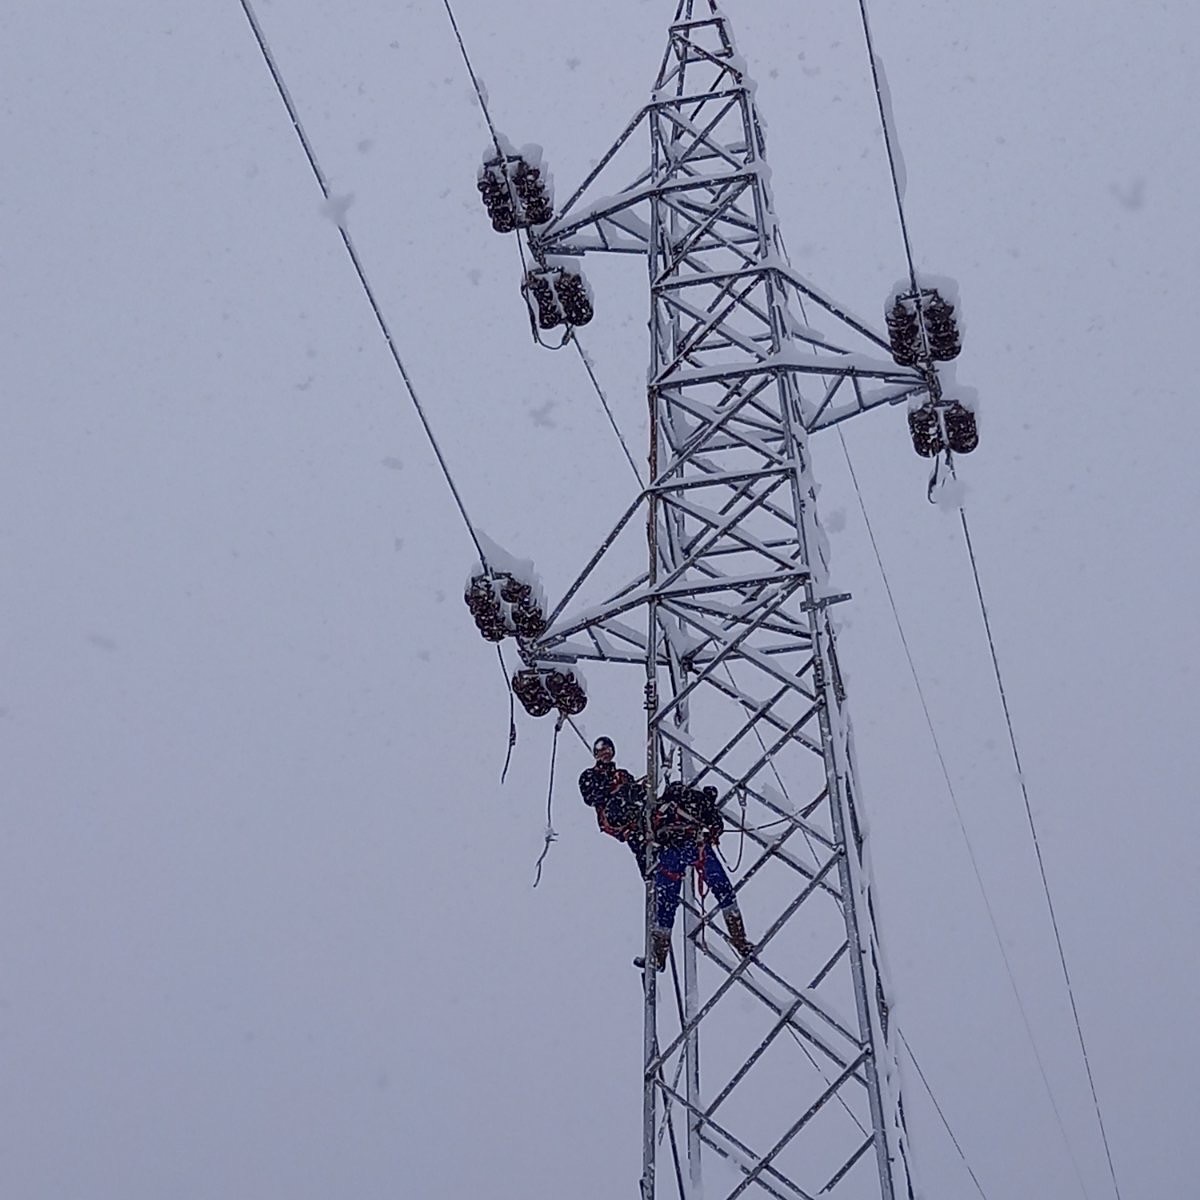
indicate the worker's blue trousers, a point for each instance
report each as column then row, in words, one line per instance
column 673, row 862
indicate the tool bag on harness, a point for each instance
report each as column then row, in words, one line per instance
column 617, row 799
column 620, row 815
column 686, row 815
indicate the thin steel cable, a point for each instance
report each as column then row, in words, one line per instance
column 474, row 78
column 1037, row 846
column 887, row 141
column 587, row 363
column 940, row 1113
column 987, row 902
column 323, row 183
column 579, row 734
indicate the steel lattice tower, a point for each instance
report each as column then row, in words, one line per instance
column 731, row 623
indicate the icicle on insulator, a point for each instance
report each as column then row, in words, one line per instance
column 904, row 334
column 574, row 298
column 962, row 433
column 530, row 688
column 926, row 431
column 569, row 698
column 550, row 312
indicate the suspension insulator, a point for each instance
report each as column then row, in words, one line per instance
column 926, row 431
column 540, row 285
column 574, row 297
column 528, row 620
column 944, row 340
column 485, row 607
column 531, row 190
column 529, row 686
column 904, row 333
column 497, row 193
column 962, row 433
column 514, row 193
column 514, row 590
column 941, row 329
column 569, row 697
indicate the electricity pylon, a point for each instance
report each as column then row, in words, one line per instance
column 731, row 625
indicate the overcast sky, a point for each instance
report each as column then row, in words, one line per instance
column 266, row 919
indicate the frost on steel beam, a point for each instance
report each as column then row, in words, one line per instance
column 728, row 618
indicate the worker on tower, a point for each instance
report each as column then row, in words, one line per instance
column 617, row 798
column 686, row 825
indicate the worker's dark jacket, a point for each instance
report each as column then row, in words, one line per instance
column 618, row 800
column 683, row 817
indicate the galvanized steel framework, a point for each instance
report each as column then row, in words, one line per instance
column 800, row 1094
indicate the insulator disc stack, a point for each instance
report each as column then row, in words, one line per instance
column 514, row 193
column 540, row 690
column 498, row 195
column 904, row 333
column 926, row 430
column 485, row 606
column 529, row 686
column 531, row 191
column 962, row 433
column 525, row 613
column 904, row 328
column 575, row 298
column 562, row 297
column 569, row 697
column 944, row 340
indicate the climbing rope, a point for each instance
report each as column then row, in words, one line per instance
column 512, row 716
column 551, row 835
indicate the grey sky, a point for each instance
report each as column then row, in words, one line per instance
column 267, row 927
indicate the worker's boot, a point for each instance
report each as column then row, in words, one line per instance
column 737, row 931
column 660, row 941
column 662, row 948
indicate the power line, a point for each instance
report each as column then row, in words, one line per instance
column 347, row 241
column 587, row 363
column 1037, row 846
column 573, row 335
column 987, row 903
column 942, row 1115
column 888, row 136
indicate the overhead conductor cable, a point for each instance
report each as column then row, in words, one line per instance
column 348, row 242
column 888, row 136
